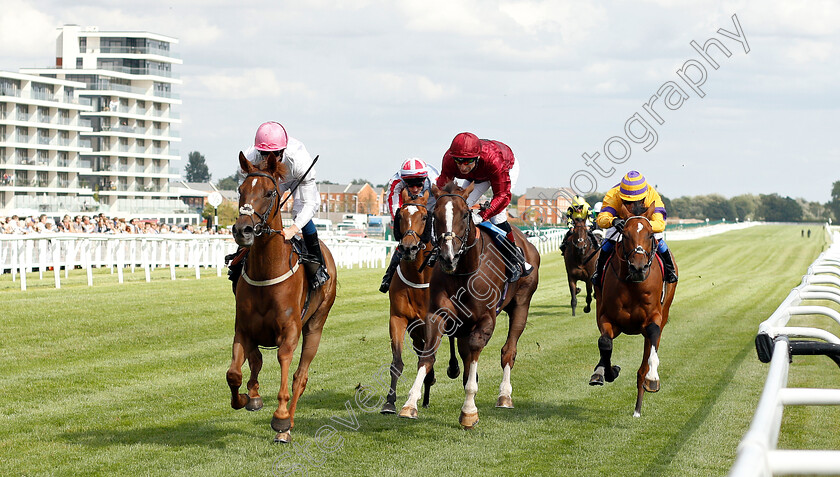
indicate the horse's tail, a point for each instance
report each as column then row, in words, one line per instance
column 453, row 371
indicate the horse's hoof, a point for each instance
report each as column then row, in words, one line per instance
column 281, row 425
column 596, row 380
column 389, row 408
column 425, row 405
column 283, row 437
column 505, row 402
column 573, row 312
column 615, row 370
column 586, row 309
column 408, row 412
column 453, row 371
column 255, row 404
column 468, row 421
column 651, row 386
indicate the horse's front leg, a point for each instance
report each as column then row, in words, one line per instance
column 433, row 325
column 588, row 296
column 604, row 370
column 647, row 378
column 470, row 348
column 255, row 362
column 281, row 421
column 234, row 373
column 397, row 328
column 518, row 315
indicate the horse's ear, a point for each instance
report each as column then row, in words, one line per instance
column 282, row 170
column 650, row 211
column 404, row 195
column 271, row 164
column 435, row 191
column 466, row 192
column 424, row 198
column 623, row 212
column 245, row 164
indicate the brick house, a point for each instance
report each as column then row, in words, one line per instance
column 544, row 205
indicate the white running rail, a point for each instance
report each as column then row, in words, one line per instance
column 757, row 452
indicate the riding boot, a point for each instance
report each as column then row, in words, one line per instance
column 670, row 269
column 235, row 263
column 599, row 268
column 563, row 243
column 389, row 273
column 316, row 272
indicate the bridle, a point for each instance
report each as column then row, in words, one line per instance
column 448, row 236
column 422, row 239
column 262, row 226
column 626, row 255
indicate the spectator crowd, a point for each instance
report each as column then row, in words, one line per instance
column 83, row 224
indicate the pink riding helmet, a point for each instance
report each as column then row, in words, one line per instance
column 271, row 136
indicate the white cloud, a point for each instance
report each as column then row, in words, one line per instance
column 408, row 88
column 256, row 83
column 26, row 32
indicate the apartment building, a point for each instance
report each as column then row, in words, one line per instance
column 545, row 205
column 124, row 80
column 42, row 143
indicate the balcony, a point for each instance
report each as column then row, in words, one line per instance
column 138, row 71
column 134, row 50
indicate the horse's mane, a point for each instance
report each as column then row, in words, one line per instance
column 451, row 187
column 280, row 172
column 636, row 208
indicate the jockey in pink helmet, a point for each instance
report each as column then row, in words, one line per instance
column 272, row 137
column 417, row 176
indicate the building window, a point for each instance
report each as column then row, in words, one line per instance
column 78, row 63
column 82, row 43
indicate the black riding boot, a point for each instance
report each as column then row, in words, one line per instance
column 563, row 243
column 515, row 255
column 599, row 268
column 670, row 269
column 389, row 273
column 316, row 272
column 236, row 262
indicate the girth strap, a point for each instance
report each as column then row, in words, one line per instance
column 409, row 283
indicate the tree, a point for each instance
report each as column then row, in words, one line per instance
column 834, row 205
column 359, row 181
column 775, row 208
column 196, row 170
column 745, row 206
column 230, row 182
column 717, row 207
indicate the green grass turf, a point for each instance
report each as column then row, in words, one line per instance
column 130, row 379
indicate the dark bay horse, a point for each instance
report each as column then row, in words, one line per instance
column 409, row 292
column 580, row 257
column 634, row 299
column 272, row 308
column 467, row 289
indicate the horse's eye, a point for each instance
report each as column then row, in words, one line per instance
column 268, row 194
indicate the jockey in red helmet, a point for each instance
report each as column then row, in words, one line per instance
column 417, row 176
column 489, row 164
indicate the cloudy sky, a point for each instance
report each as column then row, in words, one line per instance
column 367, row 83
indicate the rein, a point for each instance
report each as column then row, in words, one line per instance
column 638, row 249
column 247, row 209
column 464, row 248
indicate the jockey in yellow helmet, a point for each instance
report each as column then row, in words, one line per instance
column 578, row 210
column 632, row 188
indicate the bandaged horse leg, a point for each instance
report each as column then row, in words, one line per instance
column 605, row 370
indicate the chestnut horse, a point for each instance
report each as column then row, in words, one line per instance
column 634, row 299
column 272, row 307
column 580, row 257
column 409, row 292
column 467, row 290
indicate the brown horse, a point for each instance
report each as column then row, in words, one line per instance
column 409, row 292
column 272, row 307
column 580, row 257
column 634, row 299
column 467, row 290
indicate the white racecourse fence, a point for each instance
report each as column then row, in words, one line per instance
column 52, row 253
column 757, row 452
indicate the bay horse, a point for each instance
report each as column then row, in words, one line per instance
column 409, row 292
column 580, row 257
column 633, row 299
column 272, row 306
column 467, row 290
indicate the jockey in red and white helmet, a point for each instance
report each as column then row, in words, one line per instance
column 272, row 137
column 418, row 177
column 489, row 164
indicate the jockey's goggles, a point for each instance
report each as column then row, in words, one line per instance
column 465, row 160
column 414, row 181
column 278, row 154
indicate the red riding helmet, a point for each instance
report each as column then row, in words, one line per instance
column 465, row 145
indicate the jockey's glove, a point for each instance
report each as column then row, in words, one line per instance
column 618, row 223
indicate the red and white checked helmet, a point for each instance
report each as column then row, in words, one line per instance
column 413, row 168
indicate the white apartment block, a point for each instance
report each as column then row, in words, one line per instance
column 123, row 127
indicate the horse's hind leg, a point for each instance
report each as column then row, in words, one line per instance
column 573, row 290
column 234, row 373
column 311, row 341
column 604, row 370
column 397, row 330
column 255, row 402
column 518, row 315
